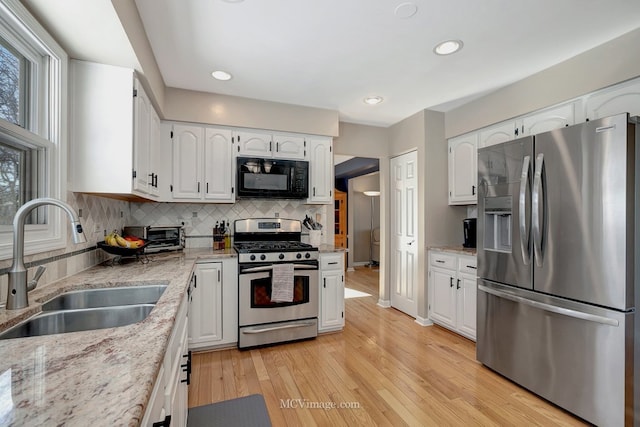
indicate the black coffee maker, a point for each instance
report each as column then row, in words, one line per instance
column 469, row 232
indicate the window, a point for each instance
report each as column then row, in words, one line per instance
column 32, row 128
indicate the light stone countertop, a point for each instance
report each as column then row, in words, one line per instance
column 93, row 378
column 459, row 249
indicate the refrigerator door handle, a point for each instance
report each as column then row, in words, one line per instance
column 536, row 204
column 551, row 308
column 524, row 238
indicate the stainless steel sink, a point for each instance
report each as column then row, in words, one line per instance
column 59, row 322
column 105, row 297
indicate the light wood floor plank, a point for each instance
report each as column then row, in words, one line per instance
column 393, row 370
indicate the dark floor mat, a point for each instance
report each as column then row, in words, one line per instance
column 249, row 411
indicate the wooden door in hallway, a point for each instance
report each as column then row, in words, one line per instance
column 404, row 233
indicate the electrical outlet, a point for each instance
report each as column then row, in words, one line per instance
column 97, row 228
column 277, row 214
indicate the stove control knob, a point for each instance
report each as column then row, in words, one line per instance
column 298, row 256
column 281, row 256
column 252, row 257
column 263, row 257
column 307, row 255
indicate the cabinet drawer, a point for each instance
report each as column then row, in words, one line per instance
column 442, row 260
column 331, row 262
column 467, row 265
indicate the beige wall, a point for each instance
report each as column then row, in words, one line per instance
column 610, row 63
column 200, row 107
column 133, row 27
column 362, row 141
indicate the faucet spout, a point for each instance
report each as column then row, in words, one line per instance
column 17, row 292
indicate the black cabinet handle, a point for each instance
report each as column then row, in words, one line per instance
column 165, row 423
column 325, row 282
column 207, row 188
column 458, row 285
column 451, row 282
column 473, row 190
column 471, row 266
column 198, row 187
column 277, row 147
column 440, row 261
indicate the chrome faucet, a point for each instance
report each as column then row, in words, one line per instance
column 18, row 287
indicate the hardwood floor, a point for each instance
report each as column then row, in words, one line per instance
column 383, row 369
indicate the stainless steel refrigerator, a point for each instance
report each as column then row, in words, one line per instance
column 558, row 266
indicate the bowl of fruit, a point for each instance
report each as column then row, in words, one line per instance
column 115, row 244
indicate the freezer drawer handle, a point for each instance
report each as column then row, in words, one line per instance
column 524, row 237
column 552, row 308
column 277, row 328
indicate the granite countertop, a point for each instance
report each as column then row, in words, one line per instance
column 99, row 377
column 459, row 249
column 326, row 248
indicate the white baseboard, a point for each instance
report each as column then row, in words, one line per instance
column 351, row 269
column 384, row 303
column 360, row 263
column 423, row 321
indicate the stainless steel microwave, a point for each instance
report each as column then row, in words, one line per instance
column 161, row 238
column 272, row 178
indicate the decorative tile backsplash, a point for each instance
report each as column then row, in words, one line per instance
column 100, row 214
column 199, row 219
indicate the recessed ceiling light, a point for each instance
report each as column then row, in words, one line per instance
column 233, row 1
column 373, row 100
column 221, row 75
column 405, row 10
column 448, row 47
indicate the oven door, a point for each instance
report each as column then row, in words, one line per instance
column 254, row 295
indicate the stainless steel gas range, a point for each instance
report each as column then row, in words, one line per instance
column 272, row 260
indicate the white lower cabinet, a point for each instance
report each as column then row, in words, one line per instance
column 214, row 305
column 452, row 292
column 169, row 398
column 331, row 308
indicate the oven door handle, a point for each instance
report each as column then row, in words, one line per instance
column 277, row 328
column 270, row 268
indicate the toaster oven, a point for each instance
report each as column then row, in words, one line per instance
column 161, row 238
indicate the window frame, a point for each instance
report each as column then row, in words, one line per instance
column 46, row 120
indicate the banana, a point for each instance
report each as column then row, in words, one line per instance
column 122, row 242
column 109, row 240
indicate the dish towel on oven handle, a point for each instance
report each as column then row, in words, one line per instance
column 282, row 283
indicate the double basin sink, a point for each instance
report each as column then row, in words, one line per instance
column 90, row 309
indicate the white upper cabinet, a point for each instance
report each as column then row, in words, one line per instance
column 265, row 145
column 219, row 167
column 112, row 128
column 496, row 134
column 187, row 161
column 621, row 98
column 155, row 156
column 289, row 147
column 556, row 117
column 321, row 178
column 463, row 169
column 203, row 169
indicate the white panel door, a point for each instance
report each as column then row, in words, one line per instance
column 549, row 119
column 321, row 176
column 254, row 144
column 466, row 321
column 404, row 240
column 463, row 169
column 155, row 155
column 289, row 147
column 219, row 170
column 187, row 161
column 497, row 134
column 620, row 98
column 331, row 300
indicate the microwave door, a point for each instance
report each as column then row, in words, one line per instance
column 504, row 213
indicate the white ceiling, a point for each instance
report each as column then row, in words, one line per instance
column 333, row 53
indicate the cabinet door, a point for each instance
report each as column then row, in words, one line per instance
column 142, row 126
column 331, row 300
column 497, row 134
column 154, row 154
column 289, row 147
column 443, row 302
column 463, row 175
column 206, row 306
column 187, row 161
column 219, row 170
column 549, row 119
column 254, row 144
column 321, row 177
column 620, row 98
column 466, row 314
